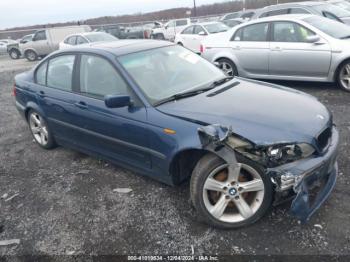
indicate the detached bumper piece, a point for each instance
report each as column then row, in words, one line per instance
column 313, row 190
column 310, row 180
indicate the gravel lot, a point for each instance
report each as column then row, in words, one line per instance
column 64, row 201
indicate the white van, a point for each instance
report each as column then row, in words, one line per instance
column 47, row 40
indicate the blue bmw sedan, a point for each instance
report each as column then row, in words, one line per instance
column 164, row 112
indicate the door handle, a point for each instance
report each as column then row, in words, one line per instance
column 81, row 105
column 41, row 94
column 237, row 47
column 277, row 48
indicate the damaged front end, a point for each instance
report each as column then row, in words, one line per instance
column 296, row 169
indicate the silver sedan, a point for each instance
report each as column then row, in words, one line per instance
column 289, row 47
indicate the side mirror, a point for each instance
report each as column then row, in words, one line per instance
column 313, row 39
column 202, row 33
column 117, row 101
column 23, row 41
column 166, row 27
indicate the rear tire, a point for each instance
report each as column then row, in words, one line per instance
column 40, row 130
column 258, row 200
column 343, row 76
column 31, row 55
column 227, row 66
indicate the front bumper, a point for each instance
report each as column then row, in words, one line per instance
column 309, row 180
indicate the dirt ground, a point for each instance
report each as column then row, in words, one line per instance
column 64, row 201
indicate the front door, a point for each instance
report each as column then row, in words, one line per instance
column 117, row 133
column 292, row 55
column 40, row 43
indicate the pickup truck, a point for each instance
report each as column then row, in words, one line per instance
column 47, row 40
column 170, row 29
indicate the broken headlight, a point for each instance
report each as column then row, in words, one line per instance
column 288, row 153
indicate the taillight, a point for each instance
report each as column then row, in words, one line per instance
column 14, row 90
column 201, row 49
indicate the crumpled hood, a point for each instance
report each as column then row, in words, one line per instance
column 262, row 113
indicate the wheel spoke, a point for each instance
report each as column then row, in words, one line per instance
column 233, row 173
column 36, row 130
column 243, row 207
column 252, row 186
column 214, row 185
column 35, row 120
column 42, row 137
column 44, row 130
column 219, row 208
column 347, row 69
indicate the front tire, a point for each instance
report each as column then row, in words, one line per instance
column 40, row 130
column 14, row 54
column 31, row 55
column 343, row 77
column 230, row 199
column 227, row 66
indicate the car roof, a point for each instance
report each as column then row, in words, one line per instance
column 122, row 47
column 291, row 17
column 306, row 3
column 208, row 23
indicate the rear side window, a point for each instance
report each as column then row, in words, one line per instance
column 60, row 72
column 71, row 40
column 198, row 29
column 275, row 12
column 188, row 30
column 181, row 22
column 298, row 11
column 81, row 40
column 99, row 78
column 40, row 76
column 252, row 33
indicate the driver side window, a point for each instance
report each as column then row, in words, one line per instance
column 40, row 35
column 99, row 78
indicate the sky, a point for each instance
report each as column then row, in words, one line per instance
column 31, row 12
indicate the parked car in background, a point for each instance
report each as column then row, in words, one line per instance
column 47, row 40
column 170, row 29
column 163, row 111
column 130, row 32
column 4, row 44
column 85, row 38
column 192, row 36
column 245, row 15
column 232, row 22
column 14, row 49
column 300, row 47
column 308, row 7
column 340, row 3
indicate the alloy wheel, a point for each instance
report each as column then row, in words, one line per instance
column 345, row 77
column 38, row 128
column 226, row 68
column 233, row 195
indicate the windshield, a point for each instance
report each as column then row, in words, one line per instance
column 330, row 27
column 335, row 10
column 216, row 28
column 167, row 71
column 99, row 37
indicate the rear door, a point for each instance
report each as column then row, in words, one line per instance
column 292, row 55
column 118, row 133
column 56, row 92
column 186, row 36
column 250, row 45
column 197, row 38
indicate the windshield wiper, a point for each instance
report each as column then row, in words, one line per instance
column 193, row 92
column 345, row 37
